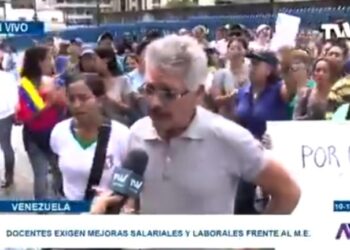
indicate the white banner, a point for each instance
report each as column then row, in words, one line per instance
column 141, row 231
column 286, row 31
column 317, row 154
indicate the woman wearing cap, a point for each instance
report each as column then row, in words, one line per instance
column 200, row 32
column 74, row 50
column 264, row 99
column 106, row 40
column 263, row 38
column 87, row 61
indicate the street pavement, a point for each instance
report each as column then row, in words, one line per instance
column 23, row 188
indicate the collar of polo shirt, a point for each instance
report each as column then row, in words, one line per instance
column 195, row 131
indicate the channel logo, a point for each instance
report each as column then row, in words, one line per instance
column 340, row 30
column 343, row 232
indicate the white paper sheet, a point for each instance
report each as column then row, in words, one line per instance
column 286, row 31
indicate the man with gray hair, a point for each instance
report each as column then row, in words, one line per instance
column 196, row 158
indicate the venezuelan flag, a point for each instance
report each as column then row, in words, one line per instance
column 30, row 95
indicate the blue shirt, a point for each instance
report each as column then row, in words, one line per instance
column 268, row 106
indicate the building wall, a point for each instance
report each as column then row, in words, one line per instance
column 29, row 4
column 221, row 10
column 86, row 10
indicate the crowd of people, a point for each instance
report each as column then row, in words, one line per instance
column 199, row 108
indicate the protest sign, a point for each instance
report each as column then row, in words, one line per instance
column 317, row 154
column 286, row 31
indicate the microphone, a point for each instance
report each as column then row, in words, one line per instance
column 127, row 181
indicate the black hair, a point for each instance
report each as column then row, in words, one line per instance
column 32, row 57
column 274, row 76
column 80, row 63
column 142, row 46
column 153, row 34
column 112, row 64
column 92, row 80
column 122, row 47
column 335, row 69
column 106, row 36
column 239, row 39
column 209, row 54
column 341, row 43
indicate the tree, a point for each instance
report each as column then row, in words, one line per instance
column 179, row 3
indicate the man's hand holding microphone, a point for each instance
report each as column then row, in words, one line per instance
column 127, row 183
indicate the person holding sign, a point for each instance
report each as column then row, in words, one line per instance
column 265, row 98
column 263, row 39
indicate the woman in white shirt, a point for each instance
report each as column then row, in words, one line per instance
column 74, row 140
column 9, row 100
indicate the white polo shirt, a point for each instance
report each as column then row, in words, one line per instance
column 75, row 162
